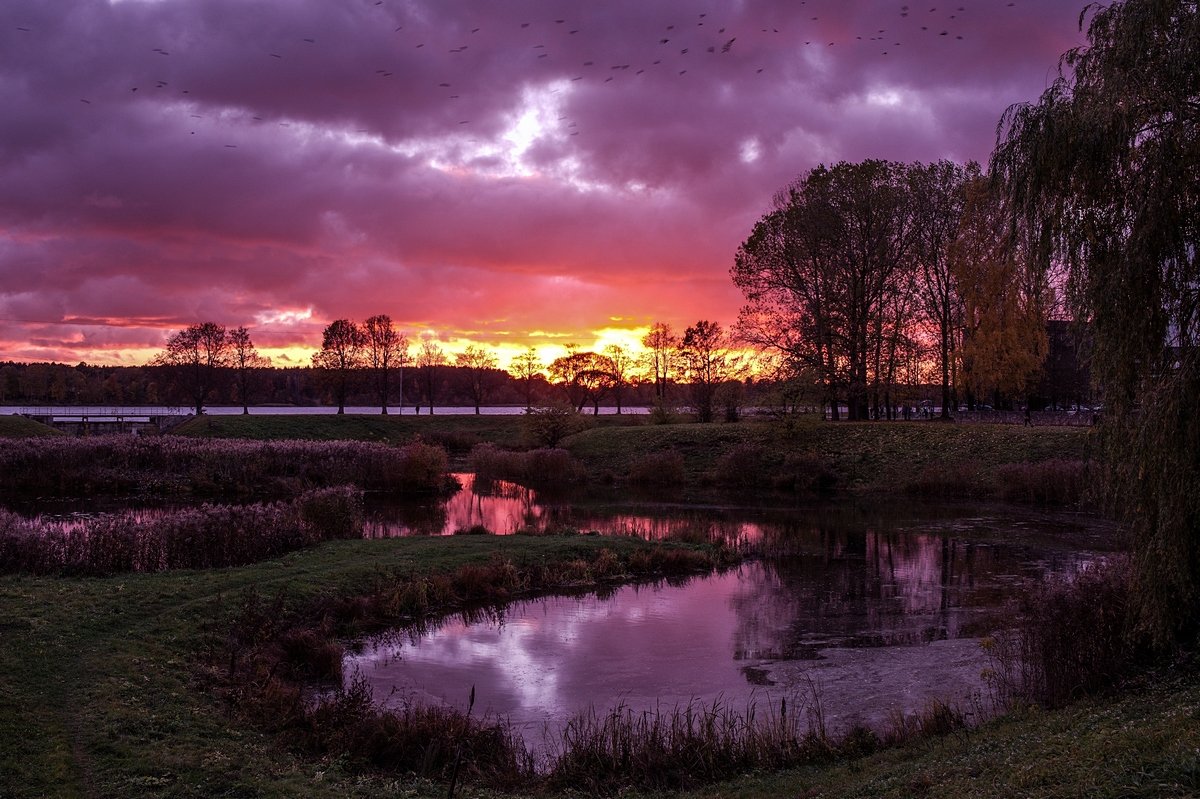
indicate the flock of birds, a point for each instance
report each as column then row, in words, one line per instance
column 695, row 45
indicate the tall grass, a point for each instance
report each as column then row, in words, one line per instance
column 663, row 468
column 681, row 747
column 1071, row 638
column 419, row 739
column 267, row 654
column 537, row 468
column 1054, row 482
column 208, row 536
column 63, row 466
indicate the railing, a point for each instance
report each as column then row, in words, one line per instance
column 113, row 411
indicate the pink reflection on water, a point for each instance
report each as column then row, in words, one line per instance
column 503, row 508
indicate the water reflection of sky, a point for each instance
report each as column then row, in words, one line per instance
column 876, row 618
column 504, row 508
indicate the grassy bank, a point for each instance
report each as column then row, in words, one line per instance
column 20, row 427
column 99, row 696
column 457, row 433
column 98, row 691
column 856, row 457
column 800, row 455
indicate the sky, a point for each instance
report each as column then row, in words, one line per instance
column 508, row 173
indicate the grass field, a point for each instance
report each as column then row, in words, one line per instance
column 98, row 698
column 19, row 427
column 866, row 456
column 99, row 690
column 457, row 433
column 863, row 455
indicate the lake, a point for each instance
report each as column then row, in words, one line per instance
column 855, row 615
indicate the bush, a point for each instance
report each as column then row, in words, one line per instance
column 947, row 480
column 207, row 536
column 548, row 425
column 335, row 512
column 538, row 468
column 741, row 466
column 806, row 473
column 1072, row 638
column 663, row 468
column 664, row 413
column 1052, row 482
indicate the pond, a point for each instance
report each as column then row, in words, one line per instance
column 854, row 617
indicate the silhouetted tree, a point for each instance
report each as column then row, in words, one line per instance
column 525, row 367
column 197, row 354
column 341, row 356
column 940, row 197
column 244, row 359
column 823, row 275
column 386, row 349
column 708, row 363
column 661, row 345
column 430, row 358
column 620, row 364
column 480, row 367
column 584, row 376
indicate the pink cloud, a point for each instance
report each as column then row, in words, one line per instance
column 167, row 162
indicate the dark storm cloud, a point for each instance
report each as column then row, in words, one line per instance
column 463, row 165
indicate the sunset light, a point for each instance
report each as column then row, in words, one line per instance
column 490, row 175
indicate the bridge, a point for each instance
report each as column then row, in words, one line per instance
column 107, row 421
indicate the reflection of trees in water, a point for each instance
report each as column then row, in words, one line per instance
column 870, row 588
column 498, row 505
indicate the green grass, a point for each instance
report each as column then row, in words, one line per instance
column 864, row 455
column 96, row 675
column 458, row 433
column 97, row 698
column 1144, row 742
column 19, row 427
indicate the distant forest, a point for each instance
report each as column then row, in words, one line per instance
column 86, row 384
column 1065, row 383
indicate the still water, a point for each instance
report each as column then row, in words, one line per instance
column 856, row 617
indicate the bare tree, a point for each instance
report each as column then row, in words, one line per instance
column 940, row 196
column 661, row 344
column 386, row 349
column 244, row 358
column 709, row 363
column 525, row 367
column 198, row 352
column 480, row 366
column 341, row 356
column 821, row 274
column 430, row 357
column 585, row 376
column 620, row 364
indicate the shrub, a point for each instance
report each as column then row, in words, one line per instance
column 207, row 536
column 1053, row 482
column 663, row 468
column 947, row 480
column 64, row 466
column 548, row 425
column 741, row 466
column 1072, row 638
column 664, row 413
column 544, row 468
column 335, row 512
column 806, row 473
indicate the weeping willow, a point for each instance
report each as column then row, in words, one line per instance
column 1107, row 164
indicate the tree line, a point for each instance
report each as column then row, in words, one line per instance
column 864, row 278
